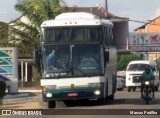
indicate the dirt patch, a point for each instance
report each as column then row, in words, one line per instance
column 33, row 101
column 29, row 105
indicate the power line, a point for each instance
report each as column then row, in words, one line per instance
column 137, row 21
column 117, row 9
column 158, row 24
column 130, row 15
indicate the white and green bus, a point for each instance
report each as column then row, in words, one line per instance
column 85, row 58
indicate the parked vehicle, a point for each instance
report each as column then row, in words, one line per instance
column 121, row 84
column 134, row 71
column 147, row 92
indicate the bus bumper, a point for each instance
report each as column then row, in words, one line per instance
column 70, row 94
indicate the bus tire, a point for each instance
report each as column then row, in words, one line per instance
column 111, row 97
column 114, row 77
column 133, row 88
column 102, row 101
column 129, row 89
column 51, row 104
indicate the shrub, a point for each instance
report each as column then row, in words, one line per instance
column 36, row 79
column 123, row 60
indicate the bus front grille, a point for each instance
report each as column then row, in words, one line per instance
column 66, row 87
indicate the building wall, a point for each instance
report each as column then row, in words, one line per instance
column 154, row 26
column 121, row 34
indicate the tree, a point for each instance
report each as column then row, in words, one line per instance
column 3, row 33
column 25, row 35
column 123, row 60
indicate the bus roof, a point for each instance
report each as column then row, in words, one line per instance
column 76, row 15
column 75, row 19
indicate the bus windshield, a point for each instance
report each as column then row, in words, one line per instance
column 72, row 34
column 72, row 60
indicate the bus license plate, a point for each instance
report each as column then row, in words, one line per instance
column 72, row 94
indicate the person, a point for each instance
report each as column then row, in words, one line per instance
column 52, row 60
column 147, row 75
column 152, row 69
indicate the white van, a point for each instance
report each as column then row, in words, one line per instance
column 134, row 71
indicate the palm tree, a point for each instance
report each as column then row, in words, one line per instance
column 35, row 11
column 3, row 33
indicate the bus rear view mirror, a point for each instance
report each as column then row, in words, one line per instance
column 106, row 56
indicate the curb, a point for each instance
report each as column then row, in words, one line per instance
column 18, row 95
column 21, row 93
column 34, row 91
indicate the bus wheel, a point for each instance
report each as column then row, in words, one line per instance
column 133, row 88
column 129, row 89
column 102, row 101
column 111, row 97
column 51, row 104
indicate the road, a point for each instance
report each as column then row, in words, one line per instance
column 123, row 100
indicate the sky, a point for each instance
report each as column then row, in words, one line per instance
column 136, row 10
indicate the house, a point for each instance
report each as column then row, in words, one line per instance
column 151, row 26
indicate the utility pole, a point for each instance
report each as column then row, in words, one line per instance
column 106, row 7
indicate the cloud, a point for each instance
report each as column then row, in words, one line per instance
column 157, row 12
column 84, row 3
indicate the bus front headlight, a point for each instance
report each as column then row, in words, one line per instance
column 48, row 95
column 97, row 92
